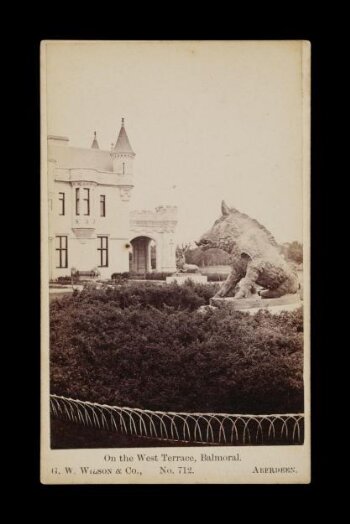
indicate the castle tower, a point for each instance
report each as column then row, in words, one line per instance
column 122, row 154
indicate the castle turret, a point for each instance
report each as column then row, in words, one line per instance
column 94, row 144
column 122, row 153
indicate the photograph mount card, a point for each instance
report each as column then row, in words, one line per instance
column 175, row 296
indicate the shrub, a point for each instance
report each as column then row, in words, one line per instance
column 158, row 275
column 186, row 297
column 147, row 346
column 208, row 257
column 217, row 277
column 64, row 280
column 155, row 275
column 120, row 276
column 293, row 251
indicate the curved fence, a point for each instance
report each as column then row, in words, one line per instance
column 199, row 428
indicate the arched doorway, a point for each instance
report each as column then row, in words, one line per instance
column 143, row 256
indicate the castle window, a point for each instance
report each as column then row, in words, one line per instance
column 103, row 251
column 77, row 201
column 61, row 198
column 123, row 168
column 102, row 205
column 62, row 251
column 87, row 201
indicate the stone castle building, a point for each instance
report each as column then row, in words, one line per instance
column 91, row 224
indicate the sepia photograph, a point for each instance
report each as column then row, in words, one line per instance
column 175, row 261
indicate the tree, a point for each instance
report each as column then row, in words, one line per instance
column 208, row 257
column 293, row 251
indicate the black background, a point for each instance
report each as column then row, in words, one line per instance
column 27, row 146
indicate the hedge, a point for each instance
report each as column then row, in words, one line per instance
column 149, row 347
column 154, row 275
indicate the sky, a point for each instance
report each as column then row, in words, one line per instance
column 207, row 120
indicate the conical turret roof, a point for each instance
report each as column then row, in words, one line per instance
column 123, row 145
column 94, row 144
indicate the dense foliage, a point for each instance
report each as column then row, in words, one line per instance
column 158, row 275
column 208, row 257
column 154, row 275
column 148, row 346
column 217, row 277
column 64, row 280
column 293, row 252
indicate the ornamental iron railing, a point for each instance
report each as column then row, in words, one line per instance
column 197, row 428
